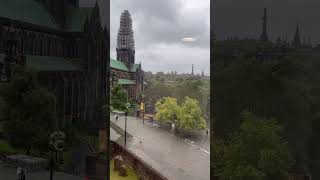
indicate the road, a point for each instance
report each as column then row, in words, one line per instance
column 172, row 156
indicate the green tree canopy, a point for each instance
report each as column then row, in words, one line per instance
column 190, row 116
column 118, row 98
column 167, row 109
column 187, row 117
column 28, row 111
column 256, row 152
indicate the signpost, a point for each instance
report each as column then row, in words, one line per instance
column 125, row 125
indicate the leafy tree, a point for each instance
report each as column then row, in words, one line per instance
column 277, row 89
column 256, row 151
column 167, row 109
column 196, row 89
column 119, row 98
column 157, row 91
column 190, row 116
column 28, row 111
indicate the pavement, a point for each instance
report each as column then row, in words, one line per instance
column 174, row 157
column 9, row 173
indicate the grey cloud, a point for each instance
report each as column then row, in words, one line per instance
column 163, row 21
column 159, row 26
column 243, row 18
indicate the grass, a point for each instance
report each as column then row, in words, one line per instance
column 114, row 174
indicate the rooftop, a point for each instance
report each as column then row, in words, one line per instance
column 122, row 66
column 125, row 82
column 35, row 12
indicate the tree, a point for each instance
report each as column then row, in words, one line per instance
column 256, row 151
column 190, row 116
column 167, row 109
column 197, row 89
column 118, row 98
column 277, row 89
column 28, row 112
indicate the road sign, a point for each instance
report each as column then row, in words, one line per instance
column 128, row 106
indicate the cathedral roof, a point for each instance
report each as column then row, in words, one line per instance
column 36, row 13
column 122, row 66
column 28, row 11
column 76, row 18
column 125, row 81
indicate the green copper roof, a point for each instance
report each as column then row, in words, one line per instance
column 134, row 67
column 76, row 17
column 118, row 65
column 125, row 81
column 29, row 11
column 48, row 63
column 35, row 12
column 122, row 66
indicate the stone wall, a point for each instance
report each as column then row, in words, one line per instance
column 142, row 169
column 98, row 165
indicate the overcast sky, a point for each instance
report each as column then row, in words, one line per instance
column 159, row 26
column 243, row 18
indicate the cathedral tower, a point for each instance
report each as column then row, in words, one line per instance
column 192, row 72
column 297, row 40
column 264, row 35
column 125, row 40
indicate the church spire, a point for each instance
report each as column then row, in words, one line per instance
column 125, row 39
column 297, row 41
column 264, row 35
column 192, row 72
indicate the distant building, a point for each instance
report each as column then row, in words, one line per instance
column 67, row 46
column 124, row 71
column 264, row 35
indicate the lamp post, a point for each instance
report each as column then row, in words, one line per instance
column 57, row 139
column 51, row 164
column 125, row 129
column 125, row 124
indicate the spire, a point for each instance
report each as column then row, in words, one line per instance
column 297, row 41
column 125, row 38
column 202, row 74
column 192, row 73
column 264, row 35
column 125, row 41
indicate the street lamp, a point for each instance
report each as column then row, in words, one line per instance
column 125, row 129
column 57, row 139
column 125, row 124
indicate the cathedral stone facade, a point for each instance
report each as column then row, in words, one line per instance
column 124, row 71
column 67, row 46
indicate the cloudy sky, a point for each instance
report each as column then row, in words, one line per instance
column 243, row 18
column 159, row 26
